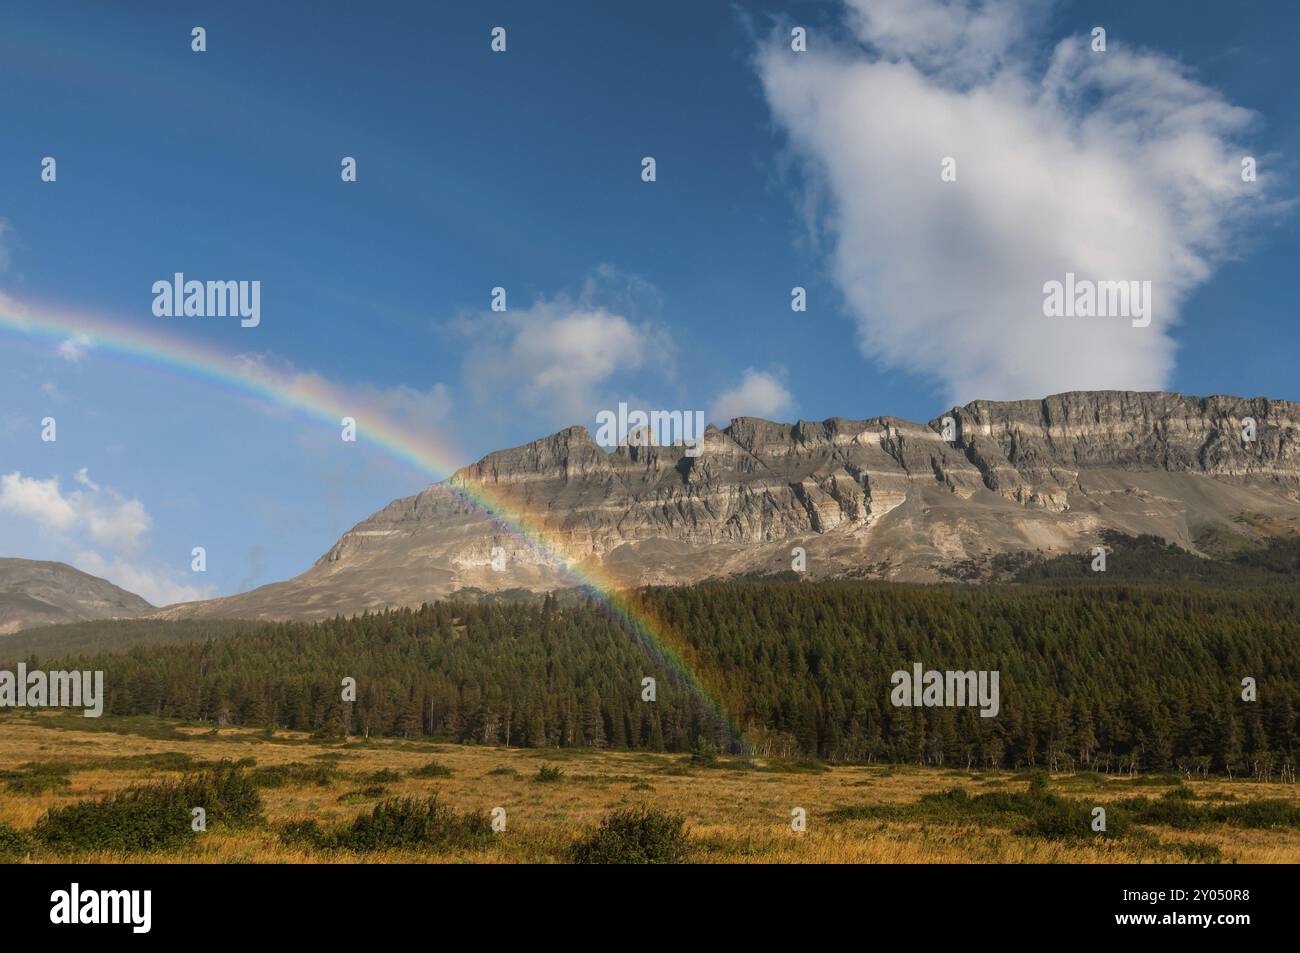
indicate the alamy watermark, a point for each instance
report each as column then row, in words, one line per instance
column 1083, row 298
column 55, row 689
column 74, row 905
column 936, row 689
column 208, row 299
column 655, row 428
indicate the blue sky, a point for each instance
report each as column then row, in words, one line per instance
column 522, row 170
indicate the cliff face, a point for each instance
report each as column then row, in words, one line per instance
column 1026, row 444
column 880, row 497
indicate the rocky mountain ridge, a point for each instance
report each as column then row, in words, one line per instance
column 880, row 497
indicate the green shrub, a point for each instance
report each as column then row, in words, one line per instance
column 1180, row 814
column 398, row 824
column 1039, row 781
column 1054, row 818
column 1034, row 813
column 436, row 769
column 36, row 778
column 137, row 819
column 548, row 774
column 13, row 842
column 385, row 776
column 1264, row 814
column 366, row 793
column 225, row 793
column 704, row 751
column 154, row 816
column 295, row 773
column 160, row 761
column 638, row 835
column 301, row 834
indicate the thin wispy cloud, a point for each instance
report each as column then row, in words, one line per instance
column 411, row 407
column 74, row 349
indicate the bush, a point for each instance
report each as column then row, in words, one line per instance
column 362, row 794
column 398, row 824
column 292, row 774
column 385, row 776
column 1179, row 813
column 639, row 835
column 225, row 792
column 13, row 842
column 153, row 816
column 1034, row 813
column 301, row 834
column 159, row 761
column 1054, row 818
column 434, row 769
column 704, row 751
column 36, row 778
column 137, row 819
column 548, row 774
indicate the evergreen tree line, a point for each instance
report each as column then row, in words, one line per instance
column 1121, row 678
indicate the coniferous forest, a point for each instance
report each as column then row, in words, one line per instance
column 1120, row 678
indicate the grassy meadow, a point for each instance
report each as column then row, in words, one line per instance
column 731, row 810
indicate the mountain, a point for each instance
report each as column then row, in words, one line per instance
column 876, row 498
column 36, row 593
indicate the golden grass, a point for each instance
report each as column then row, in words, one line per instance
column 734, row 816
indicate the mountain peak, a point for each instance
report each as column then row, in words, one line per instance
column 882, row 497
column 568, row 452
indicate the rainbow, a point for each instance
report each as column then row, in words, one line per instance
column 314, row 397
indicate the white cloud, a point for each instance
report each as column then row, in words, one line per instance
column 102, row 515
column 558, row 359
column 74, row 348
column 71, row 522
column 759, row 394
column 154, row 585
column 38, row 500
column 1114, row 166
column 119, row 526
column 958, row 40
